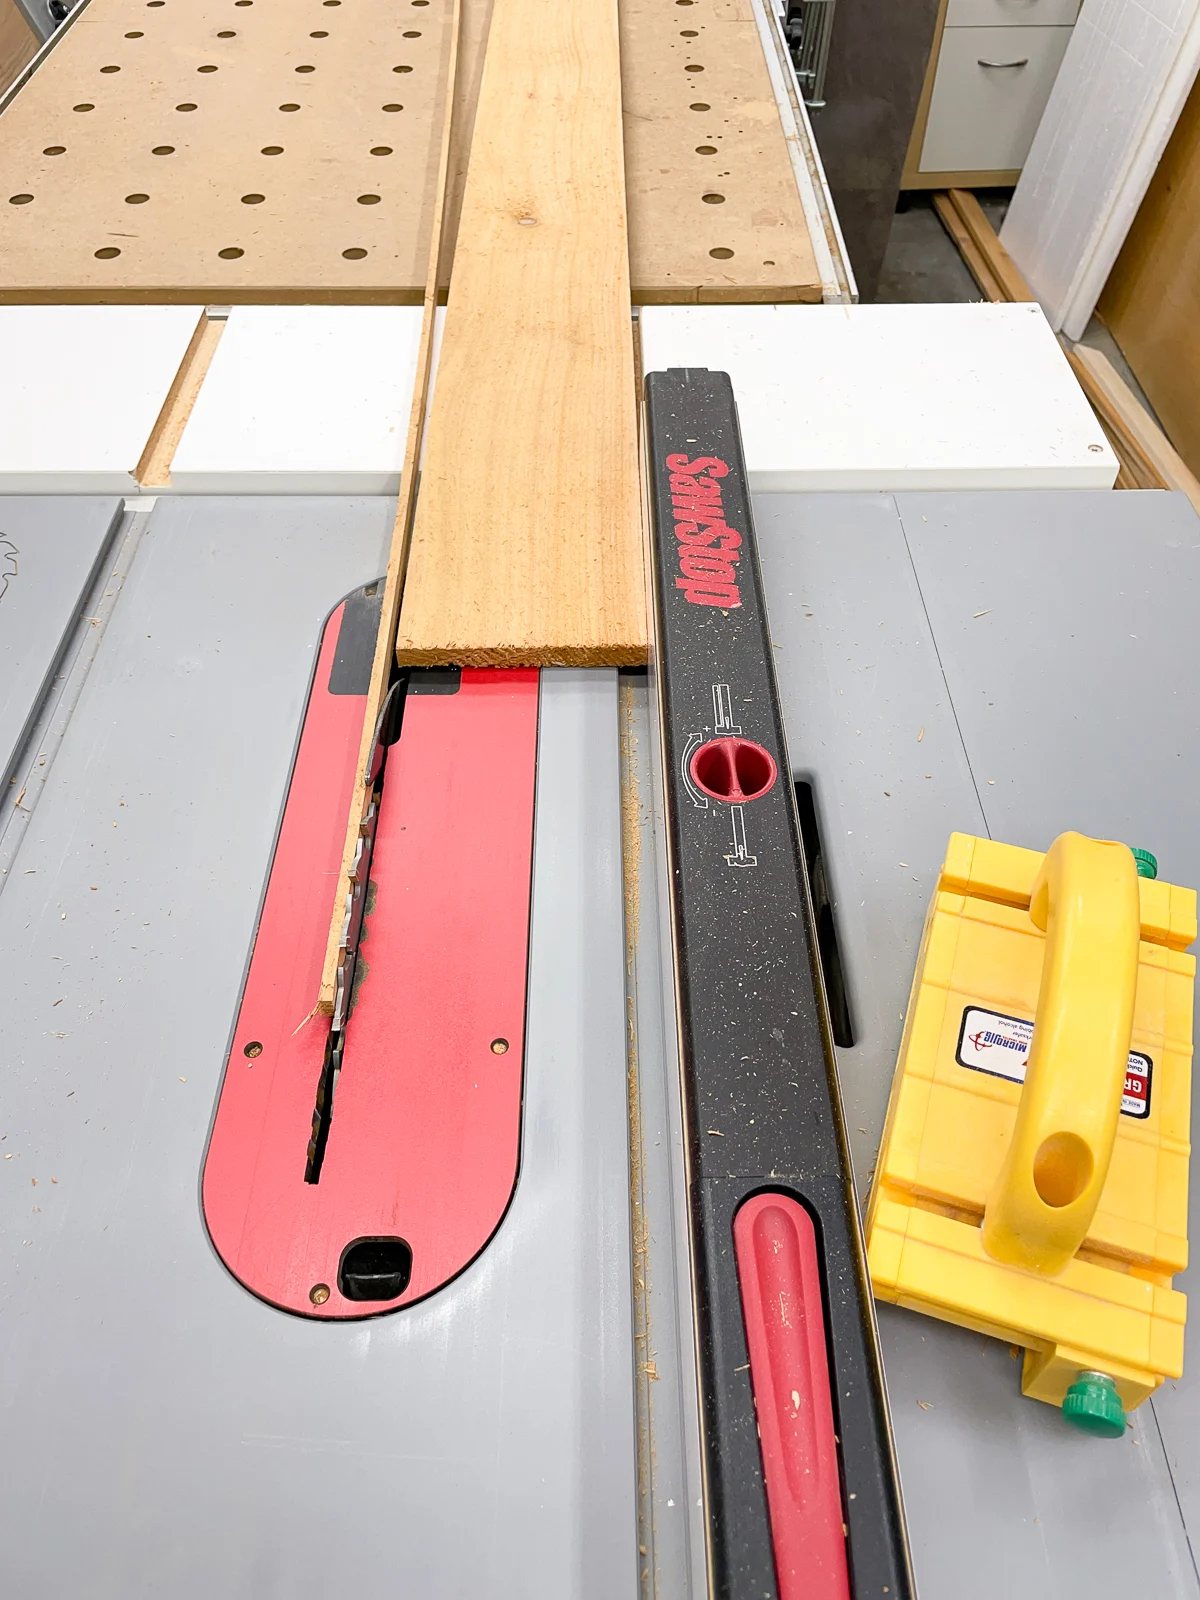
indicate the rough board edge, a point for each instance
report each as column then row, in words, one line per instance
column 565, row 655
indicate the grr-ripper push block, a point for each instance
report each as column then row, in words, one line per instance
column 1032, row 1182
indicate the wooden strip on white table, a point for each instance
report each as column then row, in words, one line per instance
column 303, row 400
column 81, row 388
column 893, row 397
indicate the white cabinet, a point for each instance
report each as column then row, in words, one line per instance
column 991, row 87
column 1011, row 13
column 992, row 68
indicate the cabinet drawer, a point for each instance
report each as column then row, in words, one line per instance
column 1011, row 13
column 982, row 118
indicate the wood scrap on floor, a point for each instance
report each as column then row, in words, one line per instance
column 990, row 264
column 526, row 547
column 1148, row 459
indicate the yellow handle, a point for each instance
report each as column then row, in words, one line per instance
column 1085, row 898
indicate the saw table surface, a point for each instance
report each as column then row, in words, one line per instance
column 166, row 1433
column 1010, row 665
column 1004, row 663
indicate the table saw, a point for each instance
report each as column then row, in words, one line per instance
column 457, row 939
column 532, row 1426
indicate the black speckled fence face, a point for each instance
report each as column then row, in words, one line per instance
column 761, row 1097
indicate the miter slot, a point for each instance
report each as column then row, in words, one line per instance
column 833, row 973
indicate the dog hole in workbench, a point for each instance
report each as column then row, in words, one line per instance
column 712, row 199
column 227, row 33
column 208, row 67
column 320, row 33
column 381, row 150
column 19, row 199
column 253, row 199
column 272, row 150
column 306, row 69
column 706, row 149
column 188, row 105
column 401, row 69
column 231, row 253
column 688, row 33
column 136, row 199
column 392, row 107
column 837, row 996
column 288, row 105
column 413, row 33
column 163, row 150
column 368, row 199
column 693, row 66
column 88, row 106
column 107, row 253
column 721, row 253
column 55, row 150
column 700, row 105
column 354, row 254
column 136, row 34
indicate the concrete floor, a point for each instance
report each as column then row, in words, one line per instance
column 922, row 265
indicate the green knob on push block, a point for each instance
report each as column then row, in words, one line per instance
column 1094, row 1405
column 1147, row 865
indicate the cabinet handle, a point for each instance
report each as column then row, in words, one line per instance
column 1024, row 62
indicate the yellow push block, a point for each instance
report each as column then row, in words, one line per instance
column 1032, row 1182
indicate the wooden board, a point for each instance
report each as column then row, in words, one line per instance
column 1147, row 458
column 526, row 547
column 990, row 264
column 1151, row 302
column 967, row 248
column 334, row 221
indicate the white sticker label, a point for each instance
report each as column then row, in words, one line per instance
column 990, row 1042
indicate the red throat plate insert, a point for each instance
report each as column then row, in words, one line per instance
column 424, row 1136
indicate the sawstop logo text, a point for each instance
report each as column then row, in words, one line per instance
column 708, row 546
